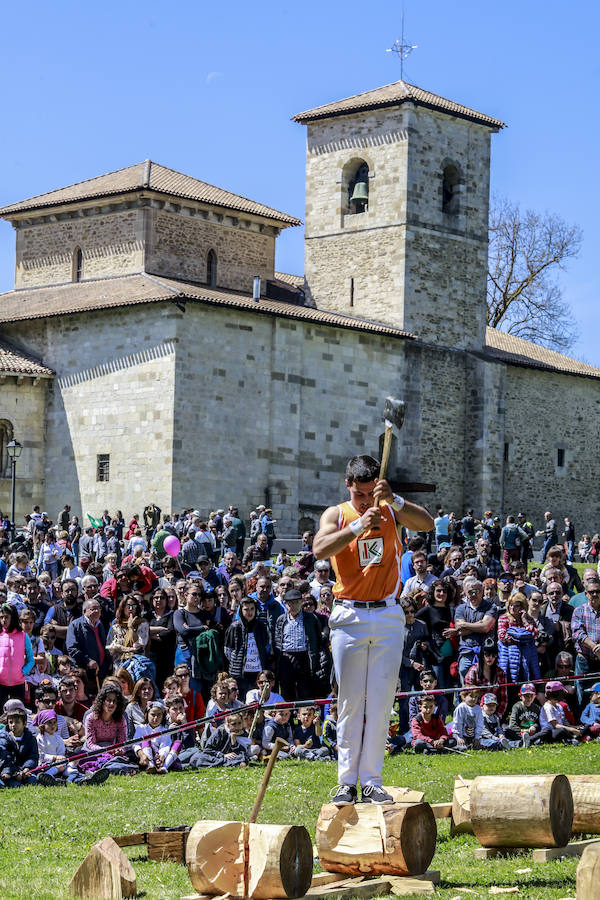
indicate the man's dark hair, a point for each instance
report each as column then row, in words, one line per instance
column 362, row 469
column 416, row 543
column 70, row 581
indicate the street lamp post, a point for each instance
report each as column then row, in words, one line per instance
column 14, row 449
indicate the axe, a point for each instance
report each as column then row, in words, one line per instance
column 393, row 414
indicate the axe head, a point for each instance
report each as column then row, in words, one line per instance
column 393, row 412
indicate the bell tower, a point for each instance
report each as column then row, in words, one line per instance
column 397, row 201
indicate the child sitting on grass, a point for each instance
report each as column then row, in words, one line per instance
column 222, row 747
column 306, row 736
column 429, row 734
column 278, row 726
column 18, row 748
column 524, row 720
column 152, row 752
column 330, row 730
column 493, row 737
column 556, row 718
column 51, row 749
column 467, row 726
column 590, row 716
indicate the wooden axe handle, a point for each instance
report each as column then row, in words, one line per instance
column 385, row 456
column 279, row 743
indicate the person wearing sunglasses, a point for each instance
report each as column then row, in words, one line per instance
column 585, row 627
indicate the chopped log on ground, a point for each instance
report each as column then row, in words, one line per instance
column 461, row 807
column 368, row 839
column 522, row 811
column 586, row 803
column 105, row 874
column 216, row 857
column 250, row 860
column 280, row 861
column 588, row 873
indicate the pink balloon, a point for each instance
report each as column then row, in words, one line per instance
column 172, row 545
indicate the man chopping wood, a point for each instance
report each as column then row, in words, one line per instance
column 367, row 621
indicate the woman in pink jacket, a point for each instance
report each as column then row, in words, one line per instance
column 16, row 655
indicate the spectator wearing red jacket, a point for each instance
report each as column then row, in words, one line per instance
column 131, row 578
column 428, row 729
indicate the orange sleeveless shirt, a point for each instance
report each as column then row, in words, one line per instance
column 369, row 567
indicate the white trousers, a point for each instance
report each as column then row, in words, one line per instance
column 367, row 649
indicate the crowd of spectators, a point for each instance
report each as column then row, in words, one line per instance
column 106, row 640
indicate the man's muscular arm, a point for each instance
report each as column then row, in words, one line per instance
column 329, row 540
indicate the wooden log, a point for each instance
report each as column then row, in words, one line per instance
column 250, row 860
column 280, row 861
column 372, row 887
column 105, row 874
column 522, row 811
column 575, row 848
column 366, row 839
column 168, row 844
column 588, row 873
column 586, row 803
column 441, row 810
column 130, row 840
column 216, row 857
column 461, row 807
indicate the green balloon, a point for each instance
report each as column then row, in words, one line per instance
column 158, row 543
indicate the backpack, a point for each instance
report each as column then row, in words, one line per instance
column 207, row 654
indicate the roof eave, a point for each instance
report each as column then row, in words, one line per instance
column 11, row 214
column 486, row 122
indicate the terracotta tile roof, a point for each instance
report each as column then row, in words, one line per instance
column 151, row 176
column 295, row 280
column 393, row 95
column 15, row 362
column 518, row 352
column 130, row 290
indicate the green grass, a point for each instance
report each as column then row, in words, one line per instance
column 46, row 832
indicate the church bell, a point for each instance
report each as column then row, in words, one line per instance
column 360, row 194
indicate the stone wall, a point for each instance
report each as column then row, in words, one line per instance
column 113, row 394
column 178, row 247
column 546, row 411
column 23, row 403
column 403, row 261
column 111, row 244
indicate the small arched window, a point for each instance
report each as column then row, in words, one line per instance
column 77, row 264
column 450, row 190
column 211, row 269
column 6, row 435
column 358, row 189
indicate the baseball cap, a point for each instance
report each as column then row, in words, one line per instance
column 527, row 688
column 595, row 688
column 553, row 686
column 490, row 698
column 14, row 706
column 292, row 594
column 444, row 545
column 261, row 506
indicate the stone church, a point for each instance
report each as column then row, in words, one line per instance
column 150, row 351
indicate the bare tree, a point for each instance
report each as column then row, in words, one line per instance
column 525, row 253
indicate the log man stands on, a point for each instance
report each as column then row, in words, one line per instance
column 367, row 621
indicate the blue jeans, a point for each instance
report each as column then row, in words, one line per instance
column 570, row 550
column 465, row 661
column 549, row 542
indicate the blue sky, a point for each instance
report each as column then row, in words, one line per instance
column 209, row 89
